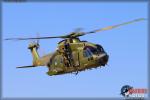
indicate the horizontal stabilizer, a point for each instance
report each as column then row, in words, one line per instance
column 26, row 66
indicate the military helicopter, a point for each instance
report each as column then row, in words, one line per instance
column 72, row 54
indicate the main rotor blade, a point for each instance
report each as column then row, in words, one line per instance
column 35, row 38
column 26, row 66
column 114, row 26
column 74, row 35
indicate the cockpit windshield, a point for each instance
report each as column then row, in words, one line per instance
column 99, row 48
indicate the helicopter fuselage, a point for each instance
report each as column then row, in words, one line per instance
column 83, row 55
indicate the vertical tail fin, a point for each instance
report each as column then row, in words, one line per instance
column 34, row 47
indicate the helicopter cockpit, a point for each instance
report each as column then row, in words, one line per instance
column 96, row 52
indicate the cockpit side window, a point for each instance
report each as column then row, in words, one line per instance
column 87, row 53
column 93, row 50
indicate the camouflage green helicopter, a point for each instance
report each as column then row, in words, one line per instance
column 72, row 54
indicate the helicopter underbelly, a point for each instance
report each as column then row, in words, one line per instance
column 64, row 70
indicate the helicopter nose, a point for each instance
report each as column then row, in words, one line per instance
column 103, row 59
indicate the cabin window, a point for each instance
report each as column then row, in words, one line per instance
column 55, row 61
column 61, row 59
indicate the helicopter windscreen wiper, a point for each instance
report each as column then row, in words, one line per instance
column 77, row 34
